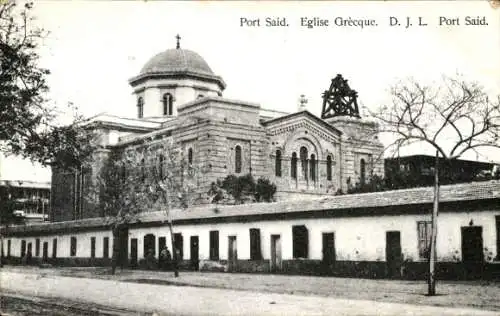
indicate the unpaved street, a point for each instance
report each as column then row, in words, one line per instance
column 185, row 300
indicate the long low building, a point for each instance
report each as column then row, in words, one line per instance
column 383, row 234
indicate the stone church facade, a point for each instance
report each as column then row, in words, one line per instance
column 180, row 98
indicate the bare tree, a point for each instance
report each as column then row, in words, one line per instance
column 453, row 118
column 133, row 181
column 119, row 193
column 174, row 182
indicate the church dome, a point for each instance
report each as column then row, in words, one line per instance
column 177, row 60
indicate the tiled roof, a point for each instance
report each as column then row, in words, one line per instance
column 448, row 193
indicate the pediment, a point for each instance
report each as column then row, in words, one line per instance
column 305, row 121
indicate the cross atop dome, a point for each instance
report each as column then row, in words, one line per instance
column 178, row 37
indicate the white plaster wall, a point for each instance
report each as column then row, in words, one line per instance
column 183, row 91
column 63, row 244
column 356, row 238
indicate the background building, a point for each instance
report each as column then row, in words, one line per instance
column 27, row 201
column 418, row 170
column 24, row 190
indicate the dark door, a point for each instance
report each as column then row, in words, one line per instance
column 45, row 251
column 275, row 253
column 393, row 253
column 123, row 247
column 133, row 252
column 194, row 257
column 162, row 242
column 23, row 248
column 328, row 252
column 232, row 255
column 472, row 250
column 472, row 244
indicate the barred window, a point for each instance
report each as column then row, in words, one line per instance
column 424, row 238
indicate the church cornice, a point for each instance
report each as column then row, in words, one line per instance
column 304, row 114
column 178, row 75
column 307, row 125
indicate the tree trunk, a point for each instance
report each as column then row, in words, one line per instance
column 432, row 252
column 116, row 250
column 171, row 228
column 174, row 250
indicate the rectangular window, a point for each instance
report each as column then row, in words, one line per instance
column 37, row 247
column 255, row 248
column 72, row 249
column 214, row 245
column 179, row 244
column 300, row 241
column 92, row 247
column 105, row 247
column 424, row 229
column 54, row 248
column 8, row 248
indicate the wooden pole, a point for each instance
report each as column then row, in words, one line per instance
column 435, row 209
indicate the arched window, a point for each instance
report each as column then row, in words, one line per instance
column 140, row 107
column 277, row 165
column 161, row 162
column 190, row 156
column 168, row 104
column 237, row 159
column 329, row 168
column 303, row 161
column 362, row 171
column 312, row 167
column 293, row 171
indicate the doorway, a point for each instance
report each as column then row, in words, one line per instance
column 45, row 251
column 122, row 247
column 275, row 253
column 194, row 250
column 393, row 253
column 232, row 255
column 149, row 244
column 328, row 252
column 133, row 252
column 472, row 250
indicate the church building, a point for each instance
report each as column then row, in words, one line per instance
column 179, row 98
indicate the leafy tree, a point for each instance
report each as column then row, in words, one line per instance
column 264, row 190
column 453, row 118
column 375, row 183
column 242, row 189
column 29, row 127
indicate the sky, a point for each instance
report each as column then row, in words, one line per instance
column 95, row 47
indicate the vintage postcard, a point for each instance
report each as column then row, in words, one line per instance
column 250, row 157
